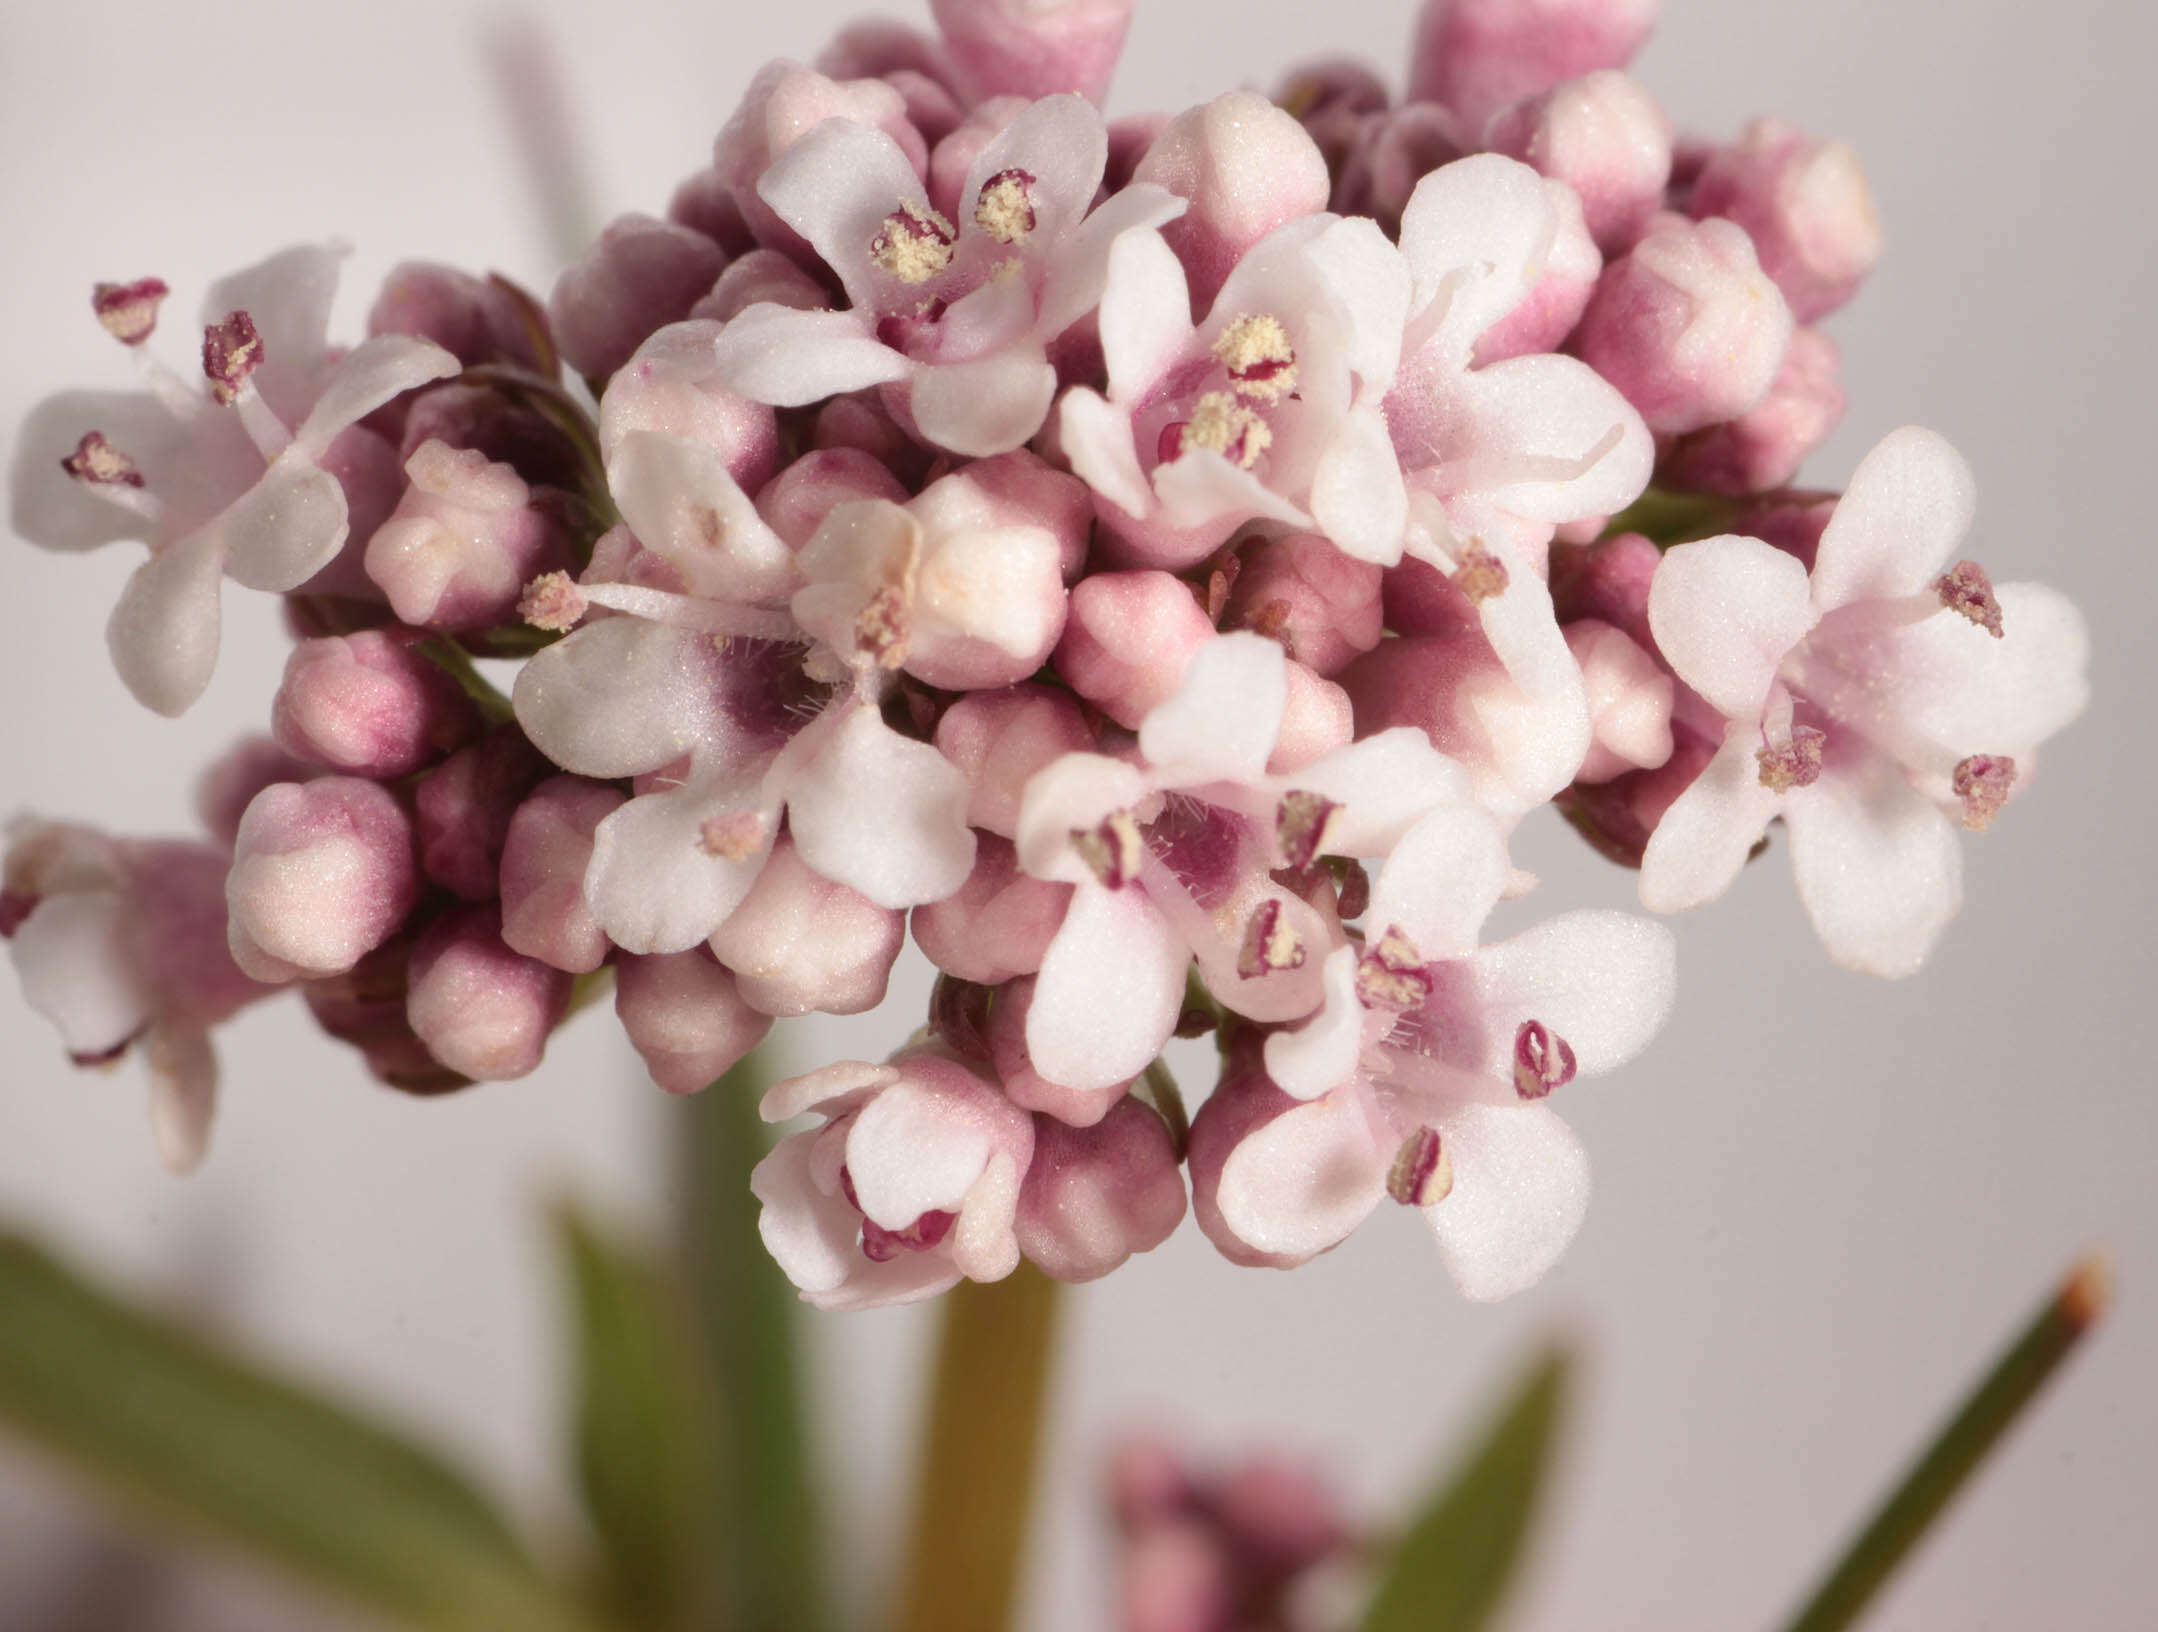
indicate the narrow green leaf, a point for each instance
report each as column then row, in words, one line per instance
column 647, row 1434
column 187, row 1436
column 1963, row 1442
column 1453, row 1566
column 974, row 1496
column 749, row 1317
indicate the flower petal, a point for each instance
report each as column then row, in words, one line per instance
column 777, row 355
column 163, row 631
column 1704, row 838
column 1384, row 785
column 71, row 955
column 1221, row 723
column 1299, row 1184
column 1097, row 439
column 878, row 812
column 1441, row 881
column 1145, row 316
column 1061, row 143
column 814, row 1237
column 1724, row 612
column 1475, row 232
column 1357, row 494
column 183, row 1094
column 1910, row 502
column 618, row 697
column 652, row 884
column 1554, row 440
column 683, row 503
column 284, row 529
column 1081, row 270
column 1521, row 1189
column 1604, row 981
column 1322, row 1054
column 984, row 407
column 1109, row 991
column 835, row 187
column 374, row 371
column 288, row 298
column 1878, row 864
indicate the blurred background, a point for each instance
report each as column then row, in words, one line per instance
column 1821, row 1200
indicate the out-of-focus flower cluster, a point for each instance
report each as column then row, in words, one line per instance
column 1155, row 563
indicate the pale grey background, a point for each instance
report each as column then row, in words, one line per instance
column 1821, row 1200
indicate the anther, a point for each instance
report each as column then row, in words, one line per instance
column 1795, row 765
column 1256, row 352
column 1391, row 974
column 1479, row 574
column 1005, row 209
column 129, row 310
column 1270, row 943
column 1303, row 823
column 1982, row 783
column 735, row 837
column 1423, row 1172
column 1220, row 424
column 97, row 463
column 231, row 352
column 554, row 602
column 1965, row 588
column 881, row 628
column 915, row 243
column 1113, row 849
column 1543, row 1060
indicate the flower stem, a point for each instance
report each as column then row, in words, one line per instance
column 1956, row 1451
column 980, row 1445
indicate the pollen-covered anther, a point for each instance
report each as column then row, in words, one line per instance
column 1303, row 822
column 1270, row 943
column 881, row 1246
column 97, row 463
column 129, row 310
column 881, row 628
column 915, row 243
column 1113, row 850
column 1479, row 574
column 554, row 602
column 1982, row 782
column 1255, row 351
column 1966, row 589
column 736, row 836
column 1005, row 207
column 1423, row 1172
column 1543, row 1060
column 1795, row 765
column 1220, row 424
column 1391, row 974
column 231, row 352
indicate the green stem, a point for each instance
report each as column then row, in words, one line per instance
column 1956, row 1451
column 748, row 1314
column 973, row 1497
column 1667, row 517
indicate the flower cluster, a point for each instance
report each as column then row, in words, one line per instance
column 1157, row 564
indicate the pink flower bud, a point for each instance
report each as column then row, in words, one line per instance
column 641, row 275
column 873, row 47
column 1687, row 326
column 1244, row 1101
column 369, row 704
column 476, row 320
column 1805, row 204
column 999, row 739
column 1334, row 99
column 1793, row 522
column 322, row 873
column 1246, row 166
column 685, row 1017
column 1129, row 138
column 1033, row 48
column 1617, row 817
column 763, row 277
column 796, row 502
column 1026, row 1087
column 464, row 542
column 1316, row 719
column 365, row 1007
column 1477, row 56
column 494, row 423
column 801, row 944
column 544, row 857
column 482, row 1010
column 1020, row 489
column 1606, row 138
column 1391, row 152
column 1607, row 581
column 706, row 205
column 998, row 924
column 1094, row 1196
column 1323, row 606
column 1629, row 697
column 1763, row 447
column 670, row 387
column 784, row 103
column 1128, row 637
column 464, row 808
column 1558, row 297
column 232, row 780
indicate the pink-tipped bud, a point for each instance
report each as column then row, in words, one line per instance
column 1763, row 447
column 483, row 1011
column 1246, row 166
column 1607, row 139
column 669, row 386
column 1317, row 718
column 464, row 541
column 1023, row 1085
column 128, row 311
column 706, row 205
column 1021, row 489
column 1323, row 606
column 231, row 781
column 801, row 944
column 464, row 808
column 231, row 352
column 544, row 857
column 322, row 874
column 1555, row 301
column 1129, row 138
column 1687, row 326
column 1806, row 205
column 366, row 1007
column 796, row 502
column 1244, row 1101
column 1391, row 152
column 1629, row 698
column 763, row 277
column 784, row 103
column 1128, row 637
column 685, row 1017
column 476, row 320
column 640, row 275
column 1094, row 1196
column 499, row 424
column 999, row 739
column 1033, row 48
column 996, row 926
column 1607, row 581
column 1478, row 56
column 1334, row 99
column 369, row 704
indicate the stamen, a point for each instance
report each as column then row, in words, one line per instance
column 1982, row 783
column 881, row 628
column 1220, row 424
column 1005, row 209
column 231, row 352
column 1354, row 885
column 881, row 1246
column 1966, row 589
column 1543, row 1060
column 915, row 244
column 1479, row 574
column 1423, row 1172
column 735, row 837
column 1796, row 765
column 1302, row 825
column 1114, row 850
column 129, row 310
column 15, row 906
column 1270, row 943
column 97, row 463
column 1391, row 975
column 1255, row 350
column 552, row 601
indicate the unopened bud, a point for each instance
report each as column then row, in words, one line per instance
column 1807, row 207
column 483, row 1010
column 322, row 873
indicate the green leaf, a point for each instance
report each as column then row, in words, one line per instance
column 1963, row 1442
column 188, row 1436
column 647, row 1435
column 1452, row 1567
